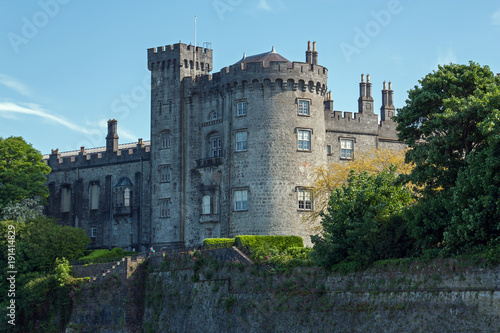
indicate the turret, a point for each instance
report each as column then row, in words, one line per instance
column 365, row 101
column 112, row 138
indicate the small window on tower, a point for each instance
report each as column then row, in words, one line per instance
column 242, row 109
column 304, row 107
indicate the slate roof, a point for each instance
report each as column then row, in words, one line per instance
column 265, row 58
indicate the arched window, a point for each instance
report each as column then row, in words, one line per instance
column 205, row 205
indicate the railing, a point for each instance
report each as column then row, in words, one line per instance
column 206, row 162
column 122, row 210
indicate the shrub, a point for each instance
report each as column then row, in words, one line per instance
column 102, row 255
column 281, row 243
column 218, row 242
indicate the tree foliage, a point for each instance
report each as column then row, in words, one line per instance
column 451, row 125
column 334, row 175
column 363, row 222
column 440, row 122
column 22, row 172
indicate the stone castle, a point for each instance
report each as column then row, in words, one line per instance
column 231, row 153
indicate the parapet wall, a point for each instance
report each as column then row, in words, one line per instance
column 97, row 157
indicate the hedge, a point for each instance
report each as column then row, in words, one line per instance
column 280, row 242
column 218, row 242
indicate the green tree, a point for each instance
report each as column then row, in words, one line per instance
column 363, row 222
column 440, row 123
column 443, row 124
column 22, row 172
column 475, row 209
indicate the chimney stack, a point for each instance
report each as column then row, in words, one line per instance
column 314, row 55
column 309, row 53
column 112, row 138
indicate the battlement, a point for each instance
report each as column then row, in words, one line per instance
column 279, row 75
column 83, row 158
column 165, row 56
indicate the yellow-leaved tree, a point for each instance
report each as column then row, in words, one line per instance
column 333, row 175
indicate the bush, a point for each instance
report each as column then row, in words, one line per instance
column 102, row 255
column 281, row 243
column 218, row 243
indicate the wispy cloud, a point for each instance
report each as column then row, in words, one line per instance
column 264, row 5
column 7, row 109
column 102, row 124
column 496, row 17
column 14, row 84
column 446, row 56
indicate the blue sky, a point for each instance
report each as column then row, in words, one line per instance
column 67, row 66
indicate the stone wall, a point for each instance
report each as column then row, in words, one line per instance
column 181, row 296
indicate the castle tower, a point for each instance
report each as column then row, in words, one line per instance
column 365, row 101
column 112, row 137
column 387, row 110
column 173, row 67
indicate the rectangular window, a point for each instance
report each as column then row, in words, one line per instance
column 65, row 199
column 216, row 147
column 241, row 141
column 242, row 109
column 304, row 140
column 303, row 107
column 165, row 173
column 240, row 200
column 215, row 202
column 165, row 207
column 93, row 232
column 305, row 199
column 94, row 196
column 346, row 148
column 165, row 137
column 328, row 149
column 126, row 197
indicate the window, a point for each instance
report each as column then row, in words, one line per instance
column 346, row 148
column 93, row 233
column 94, row 196
column 165, row 137
column 215, row 203
column 328, row 149
column 215, row 147
column 165, row 207
column 126, row 197
column 303, row 107
column 165, row 173
column 205, row 205
column 240, row 200
column 241, row 141
column 304, row 140
column 212, row 115
column 65, row 199
column 242, row 109
column 305, row 199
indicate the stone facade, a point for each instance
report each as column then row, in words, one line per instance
column 104, row 191
column 232, row 153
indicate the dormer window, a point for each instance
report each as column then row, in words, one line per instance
column 122, row 196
